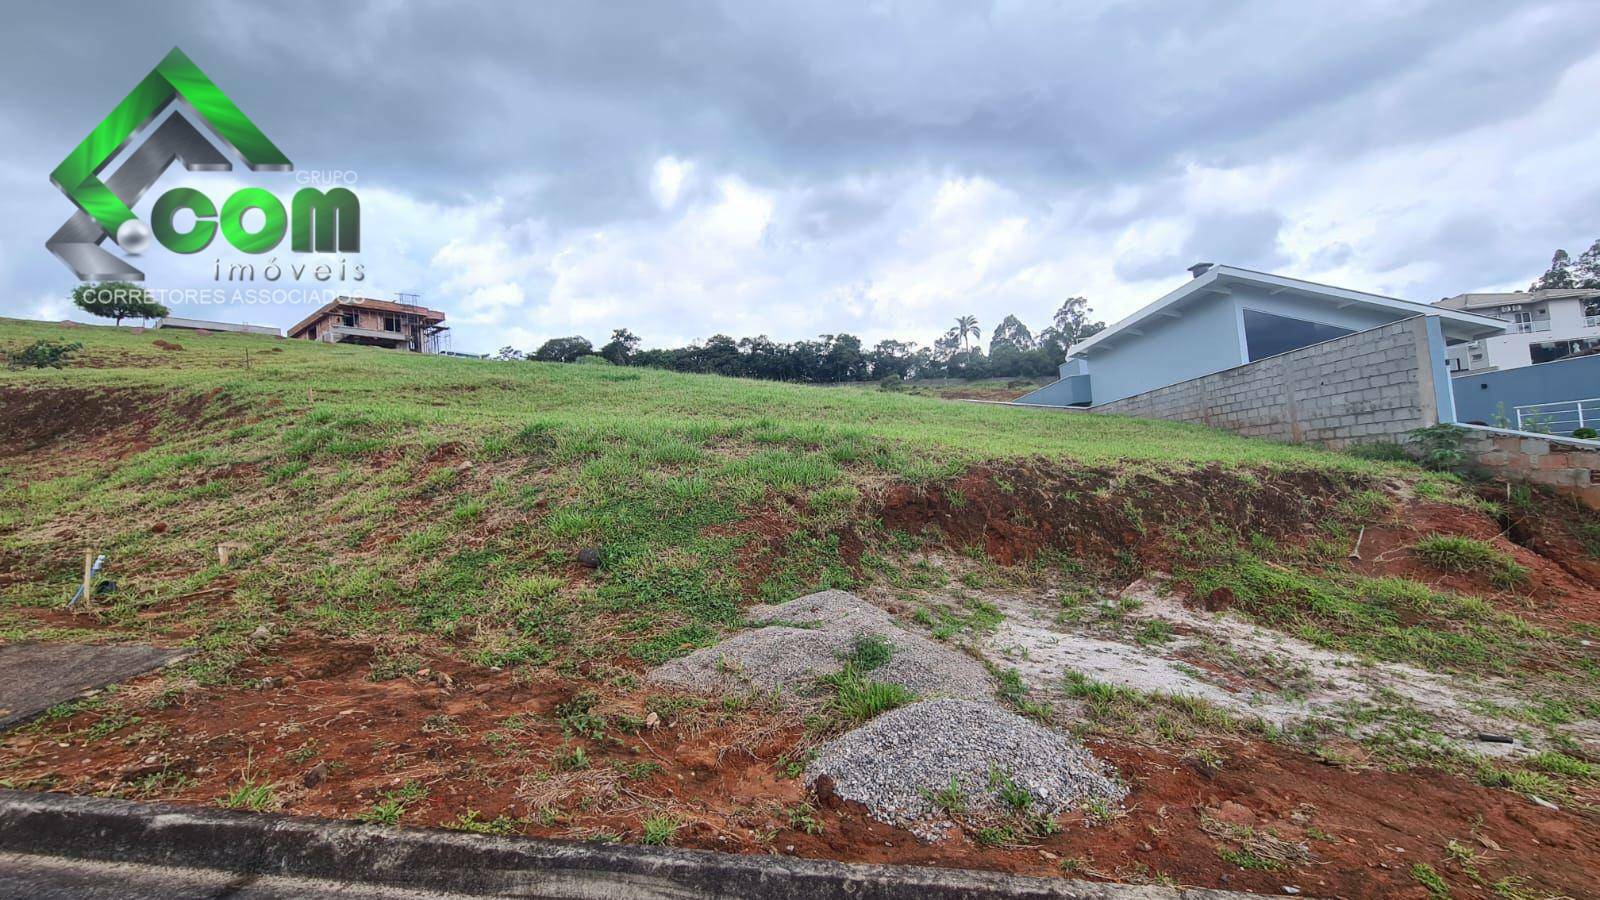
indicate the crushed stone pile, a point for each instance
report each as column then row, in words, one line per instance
column 896, row 764
column 810, row 637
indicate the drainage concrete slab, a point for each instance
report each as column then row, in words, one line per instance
column 36, row 676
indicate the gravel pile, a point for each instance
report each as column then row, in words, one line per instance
column 895, row 763
column 807, row 638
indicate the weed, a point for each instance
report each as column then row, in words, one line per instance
column 1010, row 793
column 659, row 829
column 572, row 759
column 577, row 717
column 254, row 793
column 997, row 836
column 950, row 798
column 384, row 812
column 1099, row 810
column 803, row 817
column 472, row 821
column 870, row 652
column 1154, row 631
column 1245, row 859
column 1430, row 879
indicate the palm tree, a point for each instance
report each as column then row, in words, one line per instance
column 967, row 325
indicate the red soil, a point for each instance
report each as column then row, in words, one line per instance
column 1561, row 585
column 358, row 738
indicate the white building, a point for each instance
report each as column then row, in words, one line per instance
column 1544, row 326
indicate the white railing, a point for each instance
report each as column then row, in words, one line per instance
column 1529, row 327
column 1562, row 417
column 1591, row 321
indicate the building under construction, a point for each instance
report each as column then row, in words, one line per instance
column 376, row 323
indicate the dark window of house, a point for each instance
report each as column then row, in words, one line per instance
column 391, row 323
column 348, row 318
column 1550, row 351
column 1268, row 335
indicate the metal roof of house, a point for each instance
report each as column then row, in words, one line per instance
column 1506, row 298
column 204, row 325
column 1217, row 280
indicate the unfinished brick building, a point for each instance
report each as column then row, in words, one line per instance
column 376, row 323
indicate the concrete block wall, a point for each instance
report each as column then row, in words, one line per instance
column 1361, row 388
column 1571, row 467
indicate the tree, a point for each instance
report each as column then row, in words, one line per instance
column 890, row 357
column 563, row 349
column 621, row 348
column 947, row 345
column 1587, row 270
column 1011, row 333
column 967, row 325
column 1558, row 276
column 508, row 353
column 1072, row 322
column 843, row 359
column 117, row 300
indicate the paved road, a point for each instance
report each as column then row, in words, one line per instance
column 50, row 878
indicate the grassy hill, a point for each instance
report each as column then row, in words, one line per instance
column 443, row 489
column 446, row 578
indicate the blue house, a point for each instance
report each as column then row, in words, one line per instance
column 1226, row 317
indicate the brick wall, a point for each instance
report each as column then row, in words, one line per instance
column 1364, row 387
column 1571, row 467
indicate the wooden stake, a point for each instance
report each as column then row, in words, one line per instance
column 88, row 577
column 1356, row 553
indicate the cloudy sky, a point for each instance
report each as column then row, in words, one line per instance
column 688, row 168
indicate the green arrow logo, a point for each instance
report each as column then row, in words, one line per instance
column 176, row 78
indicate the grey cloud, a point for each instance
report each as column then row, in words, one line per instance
column 843, row 112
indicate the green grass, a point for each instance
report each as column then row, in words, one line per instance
column 1430, row 879
column 858, row 698
column 1385, row 618
column 450, row 497
column 1455, row 553
column 659, row 829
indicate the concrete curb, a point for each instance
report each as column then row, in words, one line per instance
column 160, row 834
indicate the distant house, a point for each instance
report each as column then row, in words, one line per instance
column 375, row 323
column 1226, row 317
column 1542, row 326
column 203, row 325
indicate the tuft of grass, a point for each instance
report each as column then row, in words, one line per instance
column 1455, row 553
column 870, row 652
column 254, row 793
column 1561, row 764
column 858, row 698
column 658, row 830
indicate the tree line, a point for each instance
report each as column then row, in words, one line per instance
column 1567, row 273
column 1013, row 351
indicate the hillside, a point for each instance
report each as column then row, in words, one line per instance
column 455, row 591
